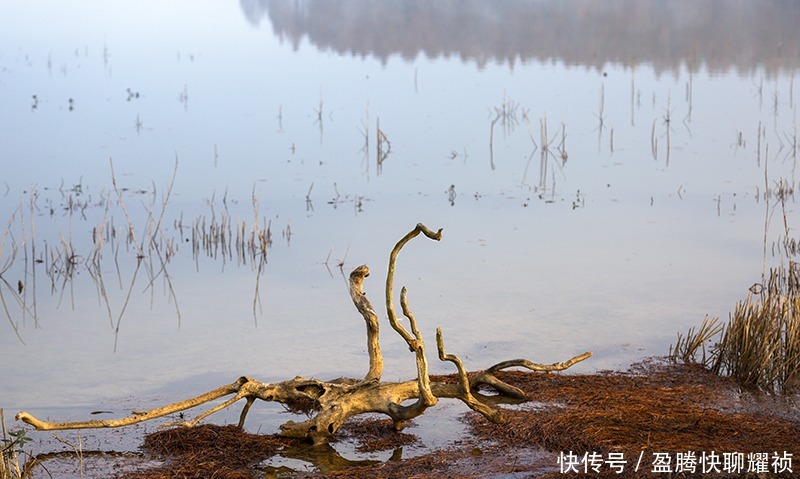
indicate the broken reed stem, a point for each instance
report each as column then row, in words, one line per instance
column 530, row 133
column 78, row 449
column 758, row 145
column 686, row 347
column 491, row 143
column 543, row 132
column 612, row 139
column 131, row 230
column 125, row 304
column 165, row 202
column 257, row 294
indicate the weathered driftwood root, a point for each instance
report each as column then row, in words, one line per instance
column 333, row 402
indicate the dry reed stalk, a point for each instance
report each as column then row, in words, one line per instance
column 689, row 97
column 131, row 230
column 125, row 304
column 760, row 345
column 530, row 133
column 654, row 141
column 758, row 152
column 686, row 347
column 543, row 138
column 154, row 229
column 78, row 449
column 9, row 260
column 668, row 124
column 491, row 143
column 9, row 463
column 384, row 146
column 601, row 111
column 611, row 135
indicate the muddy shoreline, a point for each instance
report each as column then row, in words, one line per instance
column 650, row 421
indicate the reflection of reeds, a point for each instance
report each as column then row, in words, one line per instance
column 222, row 237
column 30, row 261
column 547, row 151
column 260, row 240
column 145, row 238
column 131, row 229
column 507, row 115
column 601, row 116
column 384, row 146
column 654, row 141
column 260, row 237
column 8, row 260
column 611, row 139
column 319, row 121
column 365, row 131
column 491, row 143
column 758, row 145
column 668, row 127
column 689, row 97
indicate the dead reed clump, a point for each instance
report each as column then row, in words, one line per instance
column 669, row 410
column 209, row 451
column 760, row 345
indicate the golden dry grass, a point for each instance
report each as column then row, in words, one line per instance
column 760, row 343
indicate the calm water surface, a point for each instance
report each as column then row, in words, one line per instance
column 604, row 178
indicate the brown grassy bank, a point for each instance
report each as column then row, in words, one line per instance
column 669, row 410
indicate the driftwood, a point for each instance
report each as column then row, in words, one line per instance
column 333, row 402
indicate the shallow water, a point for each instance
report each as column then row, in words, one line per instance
column 643, row 208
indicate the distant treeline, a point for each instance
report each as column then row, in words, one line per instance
column 719, row 35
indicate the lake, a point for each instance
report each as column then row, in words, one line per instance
column 186, row 185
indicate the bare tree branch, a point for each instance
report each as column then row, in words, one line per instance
column 364, row 307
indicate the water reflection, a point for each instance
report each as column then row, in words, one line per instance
column 610, row 206
column 719, row 35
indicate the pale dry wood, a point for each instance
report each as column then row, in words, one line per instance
column 136, row 416
column 333, row 402
column 465, row 392
column 540, row 367
column 364, row 307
